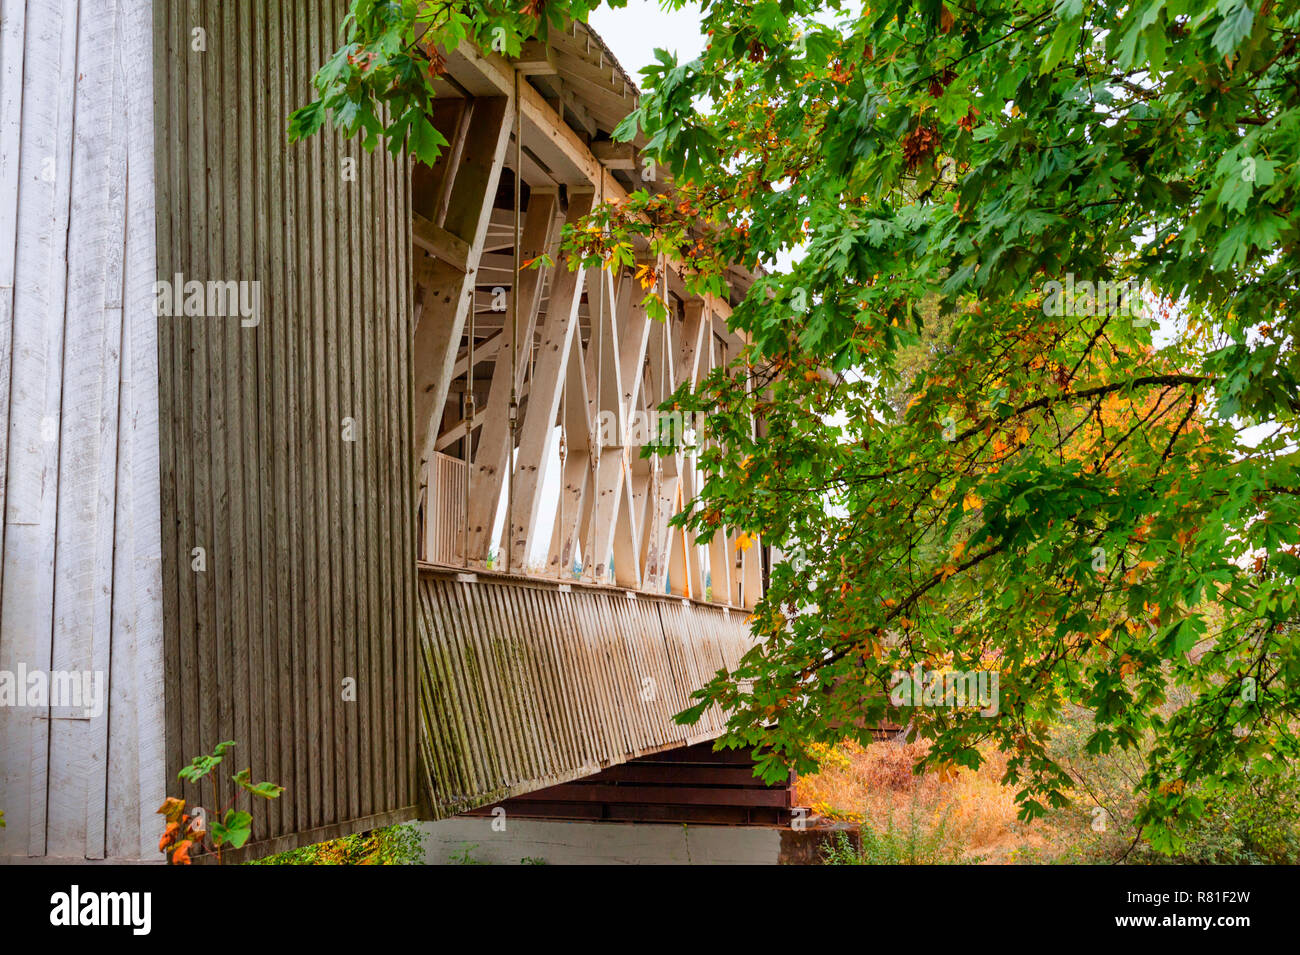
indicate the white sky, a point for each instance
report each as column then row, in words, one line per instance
column 634, row 33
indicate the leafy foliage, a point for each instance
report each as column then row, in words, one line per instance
column 892, row 843
column 466, row 856
column 379, row 83
column 1068, row 497
column 1251, row 825
column 188, row 835
column 391, row 845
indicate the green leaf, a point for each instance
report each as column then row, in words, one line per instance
column 266, row 790
column 234, row 829
column 306, row 121
column 426, row 142
column 1234, row 28
column 627, row 127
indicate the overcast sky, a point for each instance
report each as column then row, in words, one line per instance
column 634, row 32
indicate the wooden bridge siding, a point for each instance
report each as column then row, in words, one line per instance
column 309, row 537
column 78, row 427
column 527, row 685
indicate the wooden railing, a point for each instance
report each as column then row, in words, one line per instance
column 444, row 510
column 527, row 682
column 736, row 579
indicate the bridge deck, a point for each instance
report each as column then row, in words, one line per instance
column 529, row 682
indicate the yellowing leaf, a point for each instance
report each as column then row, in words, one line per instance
column 172, row 809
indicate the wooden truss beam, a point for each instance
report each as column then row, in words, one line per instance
column 492, row 459
column 575, row 465
column 536, row 58
column 446, row 292
column 560, row 331
column 610, row 500
column 437, row 241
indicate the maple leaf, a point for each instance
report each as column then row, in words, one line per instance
column 168, row 836
column 172, row 808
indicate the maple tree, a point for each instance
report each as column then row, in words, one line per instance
column 1093, row 494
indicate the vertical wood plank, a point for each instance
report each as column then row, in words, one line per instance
column 135, row 751
column 310, row 556
column 35, row 407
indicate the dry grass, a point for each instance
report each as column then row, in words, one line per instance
column 876, row 784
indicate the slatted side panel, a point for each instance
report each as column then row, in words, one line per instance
column 79, row 486
column 286, row 434
column 444, row 514
column 524, row 685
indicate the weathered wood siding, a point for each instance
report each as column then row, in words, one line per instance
column 79, row 580
column 286, row 445
column 527, row 684
column 444, row 509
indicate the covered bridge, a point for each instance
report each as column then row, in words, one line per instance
column 296, row 453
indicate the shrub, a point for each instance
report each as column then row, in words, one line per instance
column 392, row 845
column 923, row 840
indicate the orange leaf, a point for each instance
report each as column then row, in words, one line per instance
column 168, row 836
